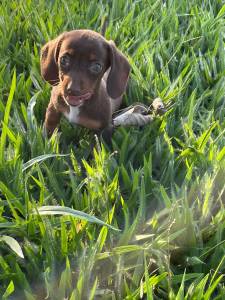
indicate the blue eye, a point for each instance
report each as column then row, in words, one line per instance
column 65, row 61
column 95, row 68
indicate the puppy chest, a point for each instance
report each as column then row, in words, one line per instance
column 77, row 116
column 73, row 115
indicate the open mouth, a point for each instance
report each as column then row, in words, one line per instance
column 78, row 100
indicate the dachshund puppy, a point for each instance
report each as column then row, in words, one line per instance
column 89, row 76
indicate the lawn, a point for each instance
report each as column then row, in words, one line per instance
column 160, row 189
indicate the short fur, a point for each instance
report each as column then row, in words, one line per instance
column 98, row 94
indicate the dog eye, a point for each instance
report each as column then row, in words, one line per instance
column 95, row 68
column 65, row 61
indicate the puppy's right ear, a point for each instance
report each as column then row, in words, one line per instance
column 49, row 58
column 119, row 72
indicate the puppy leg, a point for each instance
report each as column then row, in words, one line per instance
column 52, row 119
column 106, row 135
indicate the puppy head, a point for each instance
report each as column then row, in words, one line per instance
column 77, row 61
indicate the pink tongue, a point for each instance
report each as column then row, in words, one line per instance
column 76, row 100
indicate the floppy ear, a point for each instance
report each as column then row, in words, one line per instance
column 49, row 58
column 119, row 72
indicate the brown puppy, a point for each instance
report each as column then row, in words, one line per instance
column 89, row 76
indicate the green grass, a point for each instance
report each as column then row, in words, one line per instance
column 161, row 185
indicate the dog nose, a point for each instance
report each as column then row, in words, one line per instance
column 73, row 92
column 73, row 88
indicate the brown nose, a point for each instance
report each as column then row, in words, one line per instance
column 73, row 88
column 73, row 92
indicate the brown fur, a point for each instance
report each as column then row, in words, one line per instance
column 104, row 88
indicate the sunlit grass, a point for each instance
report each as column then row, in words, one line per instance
column 162, row 185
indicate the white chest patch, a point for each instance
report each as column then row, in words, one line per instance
column 73, row 115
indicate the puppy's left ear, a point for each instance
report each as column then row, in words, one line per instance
column 119, row 72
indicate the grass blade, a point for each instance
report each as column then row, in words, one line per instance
column 13, row 244
column 40, row 159
column 67, row 211
column 6, row 117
